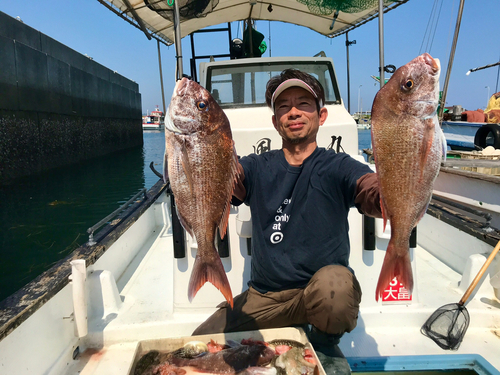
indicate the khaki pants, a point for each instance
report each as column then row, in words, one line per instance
column 330, row 302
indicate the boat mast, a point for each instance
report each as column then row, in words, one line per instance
column 347, row 44
column 381, row 40
column 450, row 61
column 177, row 37
column 161, row 77
column 482, row 67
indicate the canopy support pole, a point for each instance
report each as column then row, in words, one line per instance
column 347, row 44
column 348, row 75
column 450, row 61
column 178, row 47
column 381, row 40
column 250, row 28
column 161, row 77
column 137, row 18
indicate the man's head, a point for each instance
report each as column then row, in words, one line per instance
column 296, row 99
column 294, row 78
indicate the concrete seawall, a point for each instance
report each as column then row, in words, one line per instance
column 57, row 106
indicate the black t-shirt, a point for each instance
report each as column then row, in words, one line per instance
column 299, row 215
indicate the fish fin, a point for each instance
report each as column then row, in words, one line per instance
column 444, row 145
column 209, row 270
column 225, row 214
column 316, row 370
column 184, row 223
column 395, row 265
column 225, row 219
column 429, row 130
column 232, row 343
column 186, row 167
column 165, row 168
column 382, row 208
column 422, row 213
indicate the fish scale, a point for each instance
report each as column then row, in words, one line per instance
column 408, row 146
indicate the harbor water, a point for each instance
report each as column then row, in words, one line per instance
column 45, row 217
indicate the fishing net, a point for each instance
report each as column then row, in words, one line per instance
column 188, row 9
column 326, row 7
column 447, row 326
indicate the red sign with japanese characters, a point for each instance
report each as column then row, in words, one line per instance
column 396, row 293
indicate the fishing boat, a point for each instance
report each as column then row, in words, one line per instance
column 154, row 120
column 460, row 134
column 468, row 136
column 124, row 292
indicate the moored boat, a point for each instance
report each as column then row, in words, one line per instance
column 460, row 134
column 154, row 120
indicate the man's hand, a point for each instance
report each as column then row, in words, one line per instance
column 367, row 198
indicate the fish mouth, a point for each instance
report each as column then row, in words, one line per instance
column 181, row 86
column 434, row 64
column 169, row 124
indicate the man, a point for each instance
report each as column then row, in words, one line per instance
column 299, row 198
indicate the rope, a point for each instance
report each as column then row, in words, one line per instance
column 430, row 30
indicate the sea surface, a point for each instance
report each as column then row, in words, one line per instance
column 45, row 217
column 364, row 139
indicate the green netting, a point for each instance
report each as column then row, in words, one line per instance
column 257, row 40
column 262, row 47
column 188, row 9
column 326, row 7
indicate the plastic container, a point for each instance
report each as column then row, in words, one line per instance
column 170, row 344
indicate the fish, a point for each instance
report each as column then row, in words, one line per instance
column 192, row 349
column 228, row 361
column 408, row 146
column 168, row 369
column 149, row 362
column 201, row 165
column 214, row 347
column 290, row 343
column 294, row 363
column 257, row 370
column 281, row 346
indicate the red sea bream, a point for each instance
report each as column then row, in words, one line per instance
column 201, row 163
column 408, row 146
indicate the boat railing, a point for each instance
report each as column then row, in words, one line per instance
column 485, row 215
column 455, row 214
column 93, row 228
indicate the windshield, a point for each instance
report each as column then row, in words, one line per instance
column 245, row 86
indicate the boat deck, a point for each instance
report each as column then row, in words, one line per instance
column 149, row 311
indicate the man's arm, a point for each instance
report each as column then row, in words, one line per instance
column 367, row 198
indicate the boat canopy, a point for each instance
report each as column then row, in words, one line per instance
column 328, row 17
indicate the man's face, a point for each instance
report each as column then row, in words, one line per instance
column 296, row 117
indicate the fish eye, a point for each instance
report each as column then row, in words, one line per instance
column 409, row 84
column 201, row 105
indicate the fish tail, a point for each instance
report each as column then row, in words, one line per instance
column 209, row 270
column 396, row 264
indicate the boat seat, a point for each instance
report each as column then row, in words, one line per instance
column 244, row 225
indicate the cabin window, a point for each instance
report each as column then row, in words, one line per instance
column 236, row 86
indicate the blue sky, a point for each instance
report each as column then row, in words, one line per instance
column 88, row 27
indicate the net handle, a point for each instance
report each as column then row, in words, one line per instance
column 479, row 275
